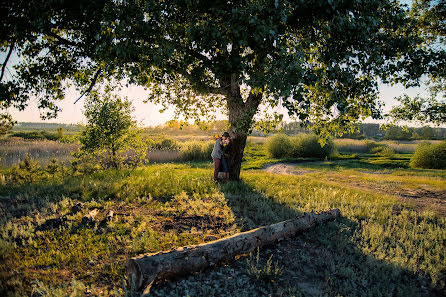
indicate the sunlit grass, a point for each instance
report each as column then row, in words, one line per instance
column 160, row 207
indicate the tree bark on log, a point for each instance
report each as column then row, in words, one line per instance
column 147, row 268
column 89, row 218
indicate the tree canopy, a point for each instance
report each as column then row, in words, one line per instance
column 320, row 59
column 430, row 108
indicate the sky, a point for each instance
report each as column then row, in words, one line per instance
column 147, row 114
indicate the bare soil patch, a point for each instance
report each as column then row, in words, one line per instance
column 281, row 168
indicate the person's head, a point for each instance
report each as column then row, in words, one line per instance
column 225, row 136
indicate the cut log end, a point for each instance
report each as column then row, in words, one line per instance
column 134, row 273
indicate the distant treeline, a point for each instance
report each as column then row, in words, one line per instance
column 373, row 131
column 49, row 127
column 55, row 131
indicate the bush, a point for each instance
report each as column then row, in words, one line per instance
column 196, row 150
column 279, row 146
column 308, row 146
column 430, row 156
column 300, row 146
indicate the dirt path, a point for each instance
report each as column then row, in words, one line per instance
column 281, row 168
column 422, row 198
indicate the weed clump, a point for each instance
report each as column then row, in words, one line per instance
column 429, row 156
column 263, row 271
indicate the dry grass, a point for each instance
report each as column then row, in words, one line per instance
column 14, row 149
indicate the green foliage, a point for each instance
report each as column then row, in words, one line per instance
column 418, row 109
column 319, row 59
column 5, row 126
column 111, row 137
column 52, row 167
column 309, row 146
column 279, row 146
column 398, row 133
column 428, row 155
column 431, row 108
column 196, row 150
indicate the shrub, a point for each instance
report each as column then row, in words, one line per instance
column 279, row 146
column 308, row 146
column 196, row 150
column 430, row 156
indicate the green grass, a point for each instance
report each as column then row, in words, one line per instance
column 369, row 251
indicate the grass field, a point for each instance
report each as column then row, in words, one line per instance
column 390, row 241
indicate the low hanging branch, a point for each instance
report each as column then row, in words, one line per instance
column 11, row 48
column 93, row 82
column 146, row 269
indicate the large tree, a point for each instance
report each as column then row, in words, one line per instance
column 321, row 59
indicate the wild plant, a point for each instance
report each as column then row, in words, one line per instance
column 28, row 170
column 263, row 271
column 53, row 167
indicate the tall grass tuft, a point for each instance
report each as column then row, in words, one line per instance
column 196, row 150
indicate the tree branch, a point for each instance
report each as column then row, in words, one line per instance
column 11, row 48
column 218, row 91
column 62, row 40
column 93, row 82
column 253, row 100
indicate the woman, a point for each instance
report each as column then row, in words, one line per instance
column 217, row 154
column 225, row 157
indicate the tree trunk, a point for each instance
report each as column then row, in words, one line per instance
column 238, row 143
column 241, row 115
column 146, row 269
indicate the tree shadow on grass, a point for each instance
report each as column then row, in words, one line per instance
column 324, row 261
column 252, row 209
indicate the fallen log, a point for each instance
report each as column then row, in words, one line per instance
column 147, row 268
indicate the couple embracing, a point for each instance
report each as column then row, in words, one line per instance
column 220, row 158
